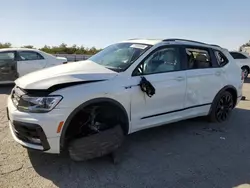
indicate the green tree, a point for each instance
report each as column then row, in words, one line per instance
column 244, row 45
column 5, row 45
column 61, row 49
column 28, row 46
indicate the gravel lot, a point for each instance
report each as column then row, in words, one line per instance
column 191, row 153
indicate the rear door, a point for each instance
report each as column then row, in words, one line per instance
column 29, row 61
column 204, row 78
column 8, row 66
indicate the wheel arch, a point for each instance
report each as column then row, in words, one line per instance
column 91, row 102
column 248, row 68
column 231, row 89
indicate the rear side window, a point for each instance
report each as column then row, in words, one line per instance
column 28, row 56
column 198, row 58
column 237, row 55
column 7, row 56
column 221, row 58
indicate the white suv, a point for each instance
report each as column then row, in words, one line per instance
column 243, row 60
column 128, row 86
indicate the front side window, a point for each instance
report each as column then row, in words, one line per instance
column 237, row 55
column 160, row 61
column 198, row 58
column 119, row 57
column 28, row 56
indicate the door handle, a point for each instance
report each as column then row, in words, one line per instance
column 179, row 78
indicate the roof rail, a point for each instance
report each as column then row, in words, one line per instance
column 176, row 39
column 186, row 40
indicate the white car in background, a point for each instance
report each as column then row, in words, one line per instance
column 243, row 60
column 16, row 62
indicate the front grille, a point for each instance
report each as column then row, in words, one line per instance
column 30, row 133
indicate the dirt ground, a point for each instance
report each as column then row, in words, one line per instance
column 190, row 153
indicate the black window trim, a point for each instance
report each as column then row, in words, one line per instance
column 20, row 59
column 180, row 49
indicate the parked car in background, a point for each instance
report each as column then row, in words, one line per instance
column 16, row 62
column 74, row 57
column 127, row 87
column 243, row 60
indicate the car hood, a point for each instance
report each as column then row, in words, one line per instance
column 67, row 73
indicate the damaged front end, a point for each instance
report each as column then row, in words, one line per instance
column 96, row 145
column 94, row 132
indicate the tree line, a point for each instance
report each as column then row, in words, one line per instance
column 244, row 45
column 61, row 49
column 74, row 49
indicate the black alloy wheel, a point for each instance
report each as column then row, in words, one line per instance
column 224, row 107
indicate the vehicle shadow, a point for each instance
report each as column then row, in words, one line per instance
column 6, row 88
column 177, row 155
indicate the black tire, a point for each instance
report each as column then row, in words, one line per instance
column 222, row 107
column 245, row 71
column 96, row 145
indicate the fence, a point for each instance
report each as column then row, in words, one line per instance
column 73, row 57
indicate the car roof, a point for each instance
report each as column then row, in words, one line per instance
column 144, row 41
column 18, row 49
column 172, row 41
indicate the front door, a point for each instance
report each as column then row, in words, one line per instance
column 30, row 61
column 8, row 66
column 163, row 68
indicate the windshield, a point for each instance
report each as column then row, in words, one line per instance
column 118, row 57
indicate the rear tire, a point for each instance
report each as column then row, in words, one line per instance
column 222, row 107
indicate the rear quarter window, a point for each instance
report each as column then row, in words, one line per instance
column 221, row 58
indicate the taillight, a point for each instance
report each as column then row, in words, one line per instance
column 242, row 75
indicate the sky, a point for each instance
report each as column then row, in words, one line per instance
column 102, row 22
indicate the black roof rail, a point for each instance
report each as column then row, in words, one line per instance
column 186, row 40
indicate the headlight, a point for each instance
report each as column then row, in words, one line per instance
column 37, row 104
